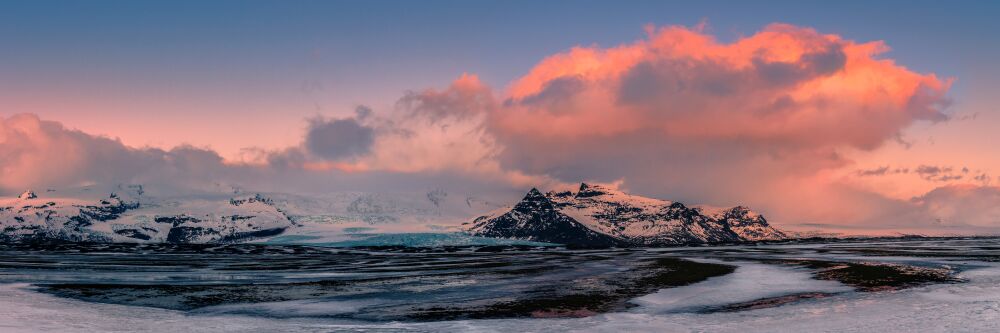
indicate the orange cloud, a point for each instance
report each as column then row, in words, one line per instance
column 783, row 84
column 764, row 120
column 35, row 152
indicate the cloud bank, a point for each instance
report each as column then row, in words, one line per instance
column 767, row 120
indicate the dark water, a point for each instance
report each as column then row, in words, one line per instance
column 406, row 284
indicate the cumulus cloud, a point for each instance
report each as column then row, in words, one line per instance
column 428, row 131
column 766, row 120
column 34, row 152
column 40, row 154
column 760, row 120
column 785, row 86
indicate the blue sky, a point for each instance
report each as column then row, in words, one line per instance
column 409, row 43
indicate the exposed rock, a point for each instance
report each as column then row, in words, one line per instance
column 596, row 215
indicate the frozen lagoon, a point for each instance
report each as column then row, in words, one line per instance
column 773, row 288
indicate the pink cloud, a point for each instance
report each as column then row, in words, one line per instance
column 764, row 120
column 35, row 152
column 785, row 85
column 767, row 120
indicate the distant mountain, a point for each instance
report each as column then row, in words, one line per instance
column 134, row 214
column 592, row 216
column 600, row 216
column 536, row 218
column 125, row 218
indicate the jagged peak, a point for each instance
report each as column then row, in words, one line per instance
column 29, row 194
column 591, row 190
column 636, row 219
column 594, row 187
column 605, row 193
column 534, row 199
column 251, row 199
column 741, row 211
column 559, row 194
column 534, row 193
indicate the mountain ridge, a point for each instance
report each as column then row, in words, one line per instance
column 121, row 218
column 620, row 219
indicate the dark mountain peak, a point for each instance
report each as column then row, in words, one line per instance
column 607, row 216
column 588, row 190
column 534, row 201
column 677, row 205
column 536, row 218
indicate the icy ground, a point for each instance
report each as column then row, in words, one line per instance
column 969, row 306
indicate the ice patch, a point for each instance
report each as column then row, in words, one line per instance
column 749, row 282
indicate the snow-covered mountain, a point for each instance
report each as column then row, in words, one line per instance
column 600, row 216
column 592, row 216
column 127, row 213
column 127, row 217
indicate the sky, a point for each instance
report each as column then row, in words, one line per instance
column 848, row 115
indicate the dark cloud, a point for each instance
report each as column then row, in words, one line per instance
column 556, row 95
column 880, row 171
column 936, row 173
column 809, row 65
column 40, row 154
column 337, row 139
column 932, row 171
column 983, row 179
column 946, row 178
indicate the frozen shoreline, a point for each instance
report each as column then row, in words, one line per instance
column 970, row 306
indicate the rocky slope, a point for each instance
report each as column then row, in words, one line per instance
column 536, row 218
column 600, row 216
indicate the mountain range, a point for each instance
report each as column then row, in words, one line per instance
column 600, row 216
column 125, row 217
column 591, row 216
